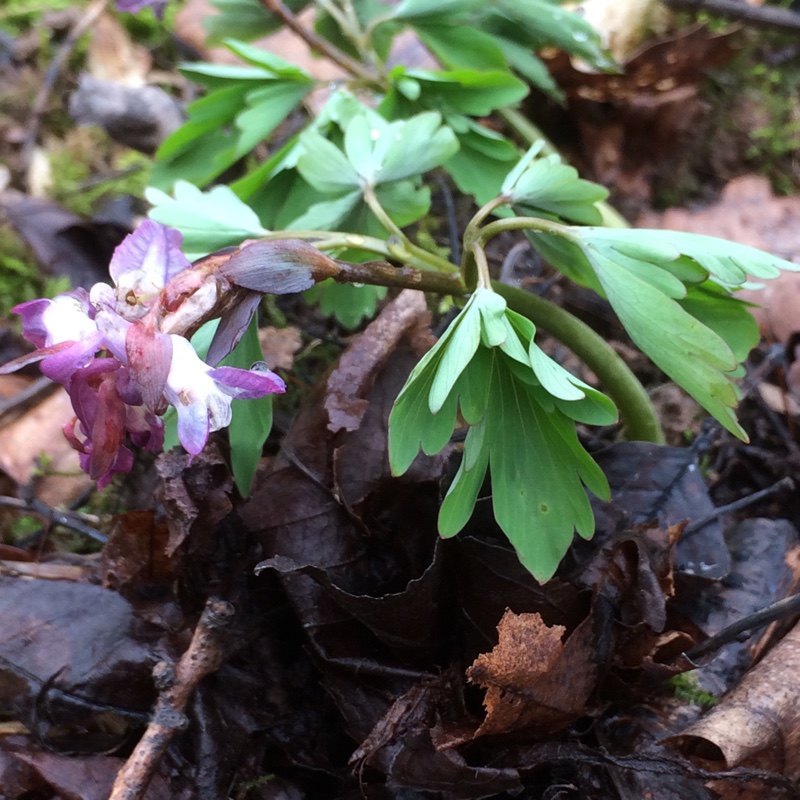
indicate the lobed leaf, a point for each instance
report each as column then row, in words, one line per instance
column 547, row 185
column 208, row 220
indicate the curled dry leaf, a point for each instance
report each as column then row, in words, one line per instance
column 757, row 724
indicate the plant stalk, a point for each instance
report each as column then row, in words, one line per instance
column 318, row 43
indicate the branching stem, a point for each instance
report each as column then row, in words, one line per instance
column 318, row 43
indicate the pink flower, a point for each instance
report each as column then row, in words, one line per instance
column 122, row 371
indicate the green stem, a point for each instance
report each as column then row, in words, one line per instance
column 522, row 224
column 401, row 251
column 637, row 412
column 371, row 199
column 530, row 133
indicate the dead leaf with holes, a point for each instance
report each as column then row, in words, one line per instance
column 534, row 681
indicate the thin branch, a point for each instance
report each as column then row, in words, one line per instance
column 67, row 519
column 780, row 610
column 381, row 273
column 88, row 19
column 316, row 42
column 761, row 16
column 737, row 505
column 16, row 405
column 205, row 655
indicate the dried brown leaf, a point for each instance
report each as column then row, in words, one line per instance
column 758, row 723
column 533, row 680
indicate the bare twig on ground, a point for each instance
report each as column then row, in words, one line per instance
column 762, row 16
column 203, row 657
column 780, row 610
column 93, row 11
column 737, row 505
column 67, row 519
column 15, row 406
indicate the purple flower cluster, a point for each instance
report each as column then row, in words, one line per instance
column 116, row 352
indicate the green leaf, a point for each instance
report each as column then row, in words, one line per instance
column 689, row 352
column 462, row 46
column 244, row 19
column 199, row 161
column 404, row 202
column 268, row 107
column 482, row 162
column 348, row 303
column 325, row 166
column 457, row 346
column 252, row 419
column 208, row 220
column 547, row 185
column 207, row 114
column 396, row 150
column 326, row 214
column 521, row 407
column 412, row 426
column 728, row 263
column 268, row 61
column 727, row 316
column 538, row 470
column 468, row 91
column 538, row 23
column 424, row 9
column 368, row 12
column 531, row 67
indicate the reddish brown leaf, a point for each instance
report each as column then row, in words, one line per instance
column 533, row 680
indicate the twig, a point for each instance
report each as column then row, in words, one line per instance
column 762, row 16
column 67, row 519
column 93, row 11
column 317, row 43
column 737, row 505
column 204, row 656
column 12, row 407
column 779, row 610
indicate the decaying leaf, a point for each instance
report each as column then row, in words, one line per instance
column 631, row 124
column 757, row 724
column 533, row 680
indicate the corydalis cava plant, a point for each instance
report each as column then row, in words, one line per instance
column 122, row 354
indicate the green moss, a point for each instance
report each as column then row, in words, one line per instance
column 87, row 167
column 686, row 688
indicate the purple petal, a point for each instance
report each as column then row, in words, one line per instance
column 146, row 429
column 193, row 425
column 149, row 358
column 122, row 463
column 32, row 313
column 231, row 328
column 135, row 6
column 278, row 266
column 247, row 384
column 62, row 365
column 83, row 390
column 64, row 318
column 108, row 430
column 153, row 249
column 114, row 329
